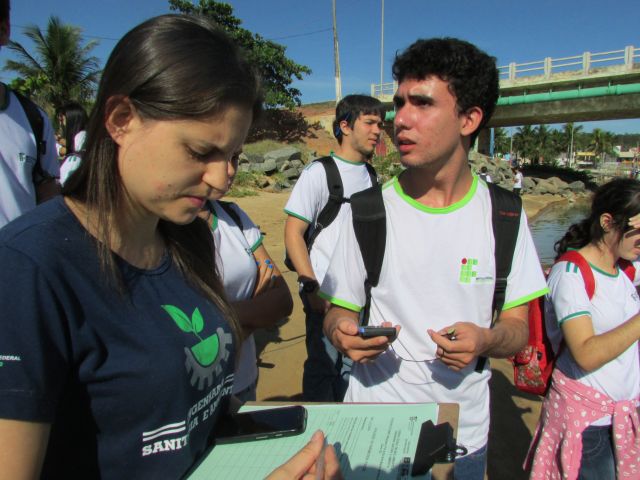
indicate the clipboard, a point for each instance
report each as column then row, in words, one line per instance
column 447, row 417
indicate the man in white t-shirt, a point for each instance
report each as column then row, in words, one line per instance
column 438, row 273
column 518, row 178
column 20, row 190
column 357, row 127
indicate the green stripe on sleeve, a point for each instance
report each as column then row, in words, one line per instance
column 574, row 315
column 255, row 246
column 527, row 299
column 339, row 303
column 296, row 215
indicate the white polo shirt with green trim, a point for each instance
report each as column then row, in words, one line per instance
column 438, row 269
column 310, row 195
column 615, row 300
column 237, row 266
column 18, row 158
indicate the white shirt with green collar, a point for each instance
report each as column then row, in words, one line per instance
column 438, row 269
column 310, row 195
column 18, row 157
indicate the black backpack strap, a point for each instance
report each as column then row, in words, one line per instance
column 37, row 126
column 506, row 208
column 336, row 198
column 370, row 227
column 372, row 173
column 228, row 208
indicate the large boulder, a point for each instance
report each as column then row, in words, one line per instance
column 291, row 173
column 283, row 155
column 561, row 184
column 577, row 186
column 546, row 186
column 267, row 167
column 529, row 183
column 254, row 157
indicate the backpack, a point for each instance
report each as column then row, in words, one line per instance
column 330, row 211
column 533, row 365
column 36, row 122
column 226, row 206
column 370, row 227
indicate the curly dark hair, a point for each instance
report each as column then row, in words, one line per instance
column 471, row 73
column 351, row 107
column 620, row 198
column 4, row 10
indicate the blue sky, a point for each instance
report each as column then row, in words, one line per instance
column 510, row 30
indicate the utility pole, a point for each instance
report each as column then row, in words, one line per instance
column 571, row 148
column 336, row 56
column 382, row 48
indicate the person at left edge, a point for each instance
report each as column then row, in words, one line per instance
column 117, row 345
column 20, row 188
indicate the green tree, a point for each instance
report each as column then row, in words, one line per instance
column 543, row 145
column 524, row 143
column 601, row 143
column 61, row 68
column 570, row 139
column 501, row 141
column 277, row 71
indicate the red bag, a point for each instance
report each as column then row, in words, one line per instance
column 533, row 365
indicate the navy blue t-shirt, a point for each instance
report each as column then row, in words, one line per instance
column 132, row 383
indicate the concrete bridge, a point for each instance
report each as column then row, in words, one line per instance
column 586, row 87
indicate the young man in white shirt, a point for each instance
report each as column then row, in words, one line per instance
column 19, row 190
column 357, row 127
column 438, row 273
column 518, row 178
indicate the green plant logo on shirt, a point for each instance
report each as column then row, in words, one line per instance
column 203, row 358
column 467, row 269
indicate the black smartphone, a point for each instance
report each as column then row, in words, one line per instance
column 261, row 424
column 370, row 332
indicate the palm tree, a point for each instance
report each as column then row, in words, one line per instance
column 61, row 68
column 570, row 133
column 501, row 141
column 524, row 143
column 601, row 143
column 542, row 136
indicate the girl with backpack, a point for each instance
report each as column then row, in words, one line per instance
column 252, row 282
column 588, row 427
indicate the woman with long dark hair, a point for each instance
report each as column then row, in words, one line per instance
column 117, row 345
column 588, row 427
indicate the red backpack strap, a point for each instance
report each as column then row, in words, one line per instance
column 627, row 267
column 585, row 270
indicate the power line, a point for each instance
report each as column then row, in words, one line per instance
column 301, row 34
column 86, row 36
column 295, row 35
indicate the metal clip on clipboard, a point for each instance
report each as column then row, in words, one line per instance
column 435, row 445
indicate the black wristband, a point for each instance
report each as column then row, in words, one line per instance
column 310, row 286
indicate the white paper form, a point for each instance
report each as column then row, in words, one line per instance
column 372, row 441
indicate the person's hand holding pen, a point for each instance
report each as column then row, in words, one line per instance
column 459, row 344
column 315, row 461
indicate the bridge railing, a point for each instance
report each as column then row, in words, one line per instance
column 583, row 64
column 379, row 90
